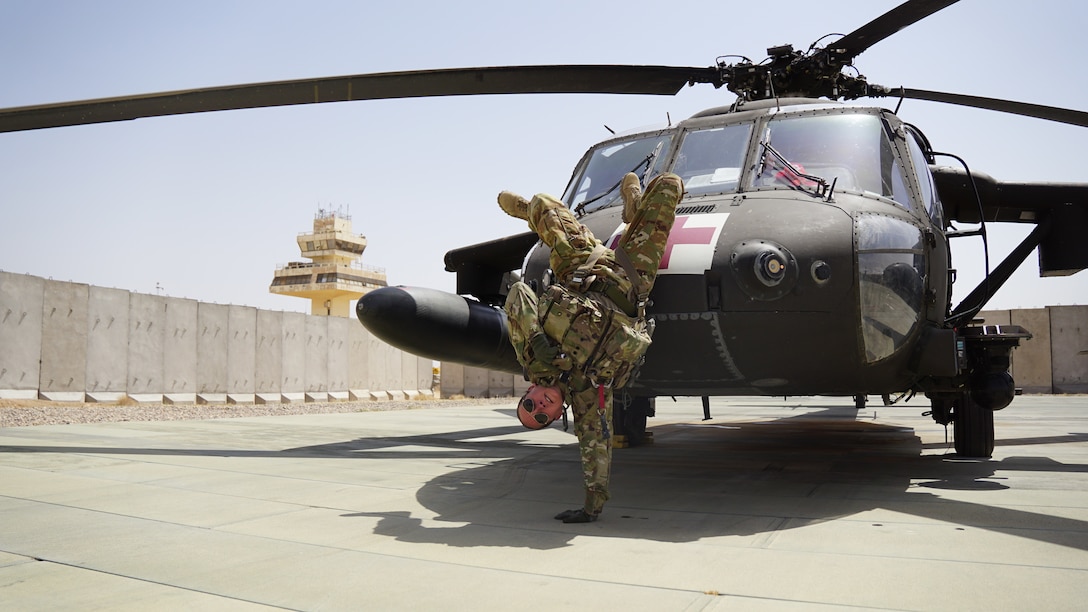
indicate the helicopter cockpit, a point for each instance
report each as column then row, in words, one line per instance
column 850, row 151
column 818, row 150
column 597, row 183
column 710, row 159
column 839, row 156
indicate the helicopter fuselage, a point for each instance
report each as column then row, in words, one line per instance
column 808, row 257
column 779, row 287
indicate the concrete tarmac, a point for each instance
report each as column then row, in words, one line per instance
column 802, row 503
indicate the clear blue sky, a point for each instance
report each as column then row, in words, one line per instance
column 206, row 206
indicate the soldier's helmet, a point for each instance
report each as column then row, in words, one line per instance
column 537, row 414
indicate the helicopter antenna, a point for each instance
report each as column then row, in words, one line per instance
column 668, row 118
column 773, row 93
column 742, row 58
column 610, row 130
column 813, row 45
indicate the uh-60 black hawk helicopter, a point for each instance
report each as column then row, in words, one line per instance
column 810, row 255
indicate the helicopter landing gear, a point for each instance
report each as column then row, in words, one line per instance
column 986, row 388
column 629, row 414
column 972, row 423
column 972, row 427
column 859, row 402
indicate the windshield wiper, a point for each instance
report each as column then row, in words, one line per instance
column 820, row 187
column 645, row 164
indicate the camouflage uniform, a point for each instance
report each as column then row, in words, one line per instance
column 606, row 283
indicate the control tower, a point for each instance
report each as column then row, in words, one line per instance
column 334, row 277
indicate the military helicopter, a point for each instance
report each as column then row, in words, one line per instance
column 810, row 255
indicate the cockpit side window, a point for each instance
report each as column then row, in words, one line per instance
column 930, row 198
column 710, row 160
column 596, row 184
column 850, row 149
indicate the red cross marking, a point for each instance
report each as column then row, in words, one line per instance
column 679, row 235
column 685, row 235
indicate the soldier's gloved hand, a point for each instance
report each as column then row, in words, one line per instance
column 540, row 371
column 548, row 360
column 543, row 348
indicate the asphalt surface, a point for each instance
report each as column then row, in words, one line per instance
column 774, row 504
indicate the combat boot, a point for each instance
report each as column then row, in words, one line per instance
column 514, row 205
column 631, row 192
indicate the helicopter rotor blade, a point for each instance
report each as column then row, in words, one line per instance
column 887, row 24
column 602, row 79
column 1038, row 111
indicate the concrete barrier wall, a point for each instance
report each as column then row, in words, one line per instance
column 1069, row 348
column 359, row 360
column 107, row 343
column 211, row 350
column 63, row 344
column 339, row 357
column 269, row 357
column 392, row 373
column 146, row 352
column 21, row 312
column 317, row 355
column 451, row 379
column 293, row 351
column 477, row 383
column 376, row 364
column 179, row 356
column 241, row 353
column 500, row 384
column 424, row 373
column 1031, row 360
column 73, row 342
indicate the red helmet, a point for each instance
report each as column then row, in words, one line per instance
column 538, row 411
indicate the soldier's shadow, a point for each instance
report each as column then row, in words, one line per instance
column 722, row 478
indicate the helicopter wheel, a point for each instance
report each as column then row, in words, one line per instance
column 630, row 418
column 973, row 428
column 859, row 402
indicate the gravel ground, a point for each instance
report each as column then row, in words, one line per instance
column 26, row 413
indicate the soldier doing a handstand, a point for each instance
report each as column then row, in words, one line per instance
column 588, row 331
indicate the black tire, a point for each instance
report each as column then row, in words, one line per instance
column 634, row 420
column 859, row 402
column 973, row 428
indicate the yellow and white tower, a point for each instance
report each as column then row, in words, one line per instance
column 334, row 277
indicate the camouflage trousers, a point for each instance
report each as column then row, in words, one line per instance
column 647, row 234
column 644, row 241
column 594, row 444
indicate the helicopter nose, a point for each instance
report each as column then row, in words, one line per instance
column 765, row 270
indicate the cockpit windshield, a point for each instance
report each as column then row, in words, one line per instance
column 850, row 150
column 597, row 183
column 710, row 160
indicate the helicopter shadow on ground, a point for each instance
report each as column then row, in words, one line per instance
column 723, row 478
column 698, row 480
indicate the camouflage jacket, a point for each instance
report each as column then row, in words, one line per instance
column 594, row 337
